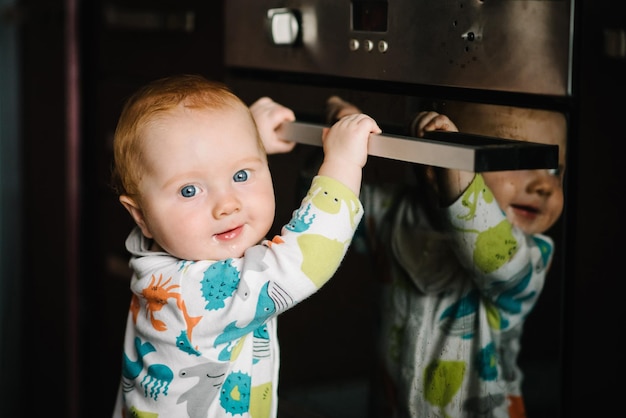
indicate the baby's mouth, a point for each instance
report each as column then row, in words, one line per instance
column 230, row 234
column 526, row 211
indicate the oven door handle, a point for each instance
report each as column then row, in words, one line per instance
column 454, row 150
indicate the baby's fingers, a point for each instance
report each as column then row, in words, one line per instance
column 359, row 121
column 431, row 121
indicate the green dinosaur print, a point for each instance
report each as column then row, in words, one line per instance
column 320, row 256
column 442, row 380
column 472, row 194
column 328, row 196
column 261, row 401
column 136, row 413
column 495, row 246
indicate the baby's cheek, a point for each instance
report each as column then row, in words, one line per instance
column 265, row 216
column 554, row 213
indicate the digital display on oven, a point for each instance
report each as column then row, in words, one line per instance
column 369, row 15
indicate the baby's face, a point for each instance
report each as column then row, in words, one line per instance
column 207, row 192
column 531, row 199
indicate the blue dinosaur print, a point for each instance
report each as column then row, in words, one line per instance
column 298, row 222
column 184, row 264
column 260, row 344
column 466, row 308
column 183, row 344
column 264, row 309
column 132, row 369
column 219, row 283
column 486, row 362
column 261, row 332
column 545, row 248
column 235, row 395
column 510, row 300
column 157, row 378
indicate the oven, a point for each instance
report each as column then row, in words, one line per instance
column 393, row 58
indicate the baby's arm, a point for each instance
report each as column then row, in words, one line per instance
column 345, row 149
column 268, row 116
column 449, row 183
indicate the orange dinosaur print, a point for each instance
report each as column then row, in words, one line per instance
column 516, row 407
column 276, row 240
column 191, row 321
column 156, row 295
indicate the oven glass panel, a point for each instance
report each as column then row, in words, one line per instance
column 351, row 376
column 495, row 68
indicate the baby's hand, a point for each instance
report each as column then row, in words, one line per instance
column 448, row 184
column 348, row 139
column 345, row 148
column 431, row 121
column 268, row 116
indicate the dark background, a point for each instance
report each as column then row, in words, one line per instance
column 62, row 352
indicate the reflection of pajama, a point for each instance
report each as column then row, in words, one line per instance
column 453, row 304
column 201, row 336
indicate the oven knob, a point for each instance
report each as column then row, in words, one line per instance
column 284, row 26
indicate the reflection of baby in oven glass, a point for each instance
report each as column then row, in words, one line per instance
column 462, row 260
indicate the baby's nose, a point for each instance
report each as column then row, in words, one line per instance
column 226, row 204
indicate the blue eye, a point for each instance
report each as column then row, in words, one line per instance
column 241, row 175
column 188, row 191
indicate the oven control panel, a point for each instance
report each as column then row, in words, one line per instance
column 516, row 46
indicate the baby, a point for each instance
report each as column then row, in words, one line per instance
column 461, row 259
column 192, row 171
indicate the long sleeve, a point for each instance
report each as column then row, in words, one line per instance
column 507, row 266
column 201, row 337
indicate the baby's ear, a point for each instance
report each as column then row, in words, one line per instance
column 135, row 211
